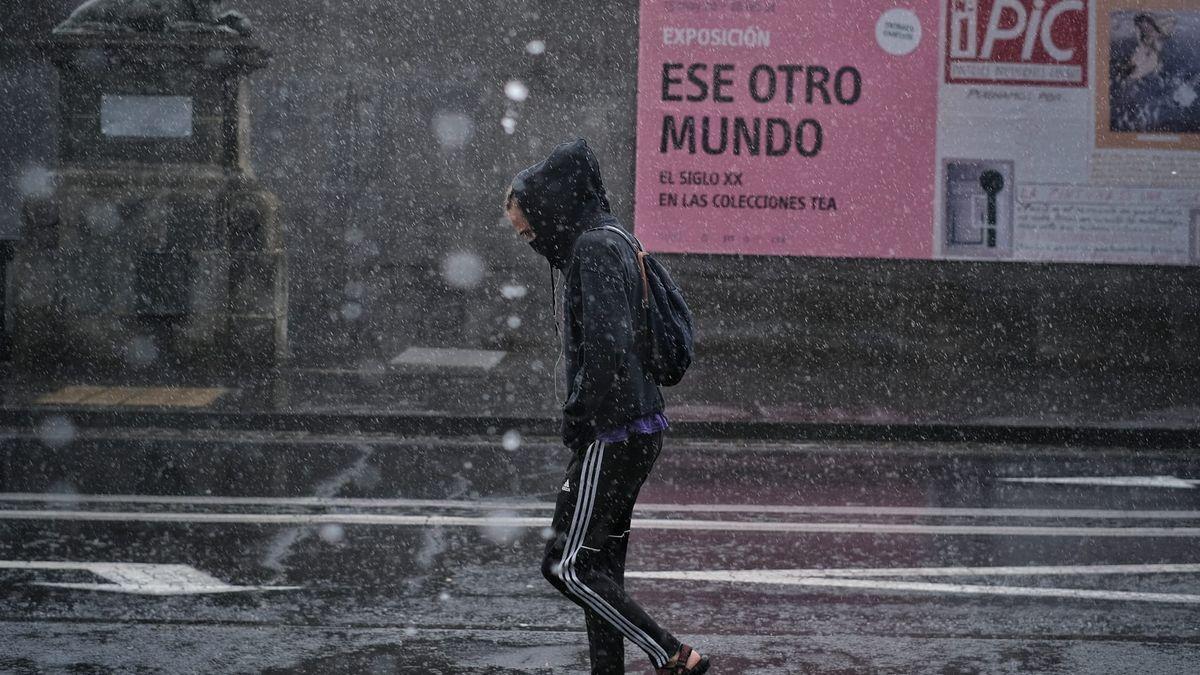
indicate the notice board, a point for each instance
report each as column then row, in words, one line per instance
column 1036, row 130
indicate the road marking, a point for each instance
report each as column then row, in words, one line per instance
column 967, row 589
column 859, row 579
column 479, row 505
column 852, row 572
column 179, row 397
column 642, row 523
column 138, row 578
column 435, row 357
column 1112, row 481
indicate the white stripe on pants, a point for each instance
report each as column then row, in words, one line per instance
column 589, row 478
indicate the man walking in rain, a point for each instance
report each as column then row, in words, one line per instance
column 613, row 416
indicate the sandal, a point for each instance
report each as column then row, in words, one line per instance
column 679, row 666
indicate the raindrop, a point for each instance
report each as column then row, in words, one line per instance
column 463, row 269
column 332, row 533
column 91, row 59
column 370, row 475
column 468, row 465
column 511, row 440
column 516, row 90
column 514, row 322
column 351, row 311
column 509, row 124
column 217, row 58
column 535, row 48
column 362, row 249
column 102, row 217
column 142, row 351
column 453, row 130
column 444, row 596
column 410, row 631
column 501, row 534
column 547, row 533
column 37, row 181
column 65, row 493
column 513, row 291
column 1185, row 95
column 56, row 431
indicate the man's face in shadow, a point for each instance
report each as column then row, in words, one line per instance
column 517, row 217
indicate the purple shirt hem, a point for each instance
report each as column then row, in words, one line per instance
column 650, row 424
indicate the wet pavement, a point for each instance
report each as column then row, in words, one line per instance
column 172, row 552
column 743, row 389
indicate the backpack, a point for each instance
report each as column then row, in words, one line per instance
column 667, row 334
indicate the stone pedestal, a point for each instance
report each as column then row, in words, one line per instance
column 155, row 247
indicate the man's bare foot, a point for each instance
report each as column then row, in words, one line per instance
column 693, row 659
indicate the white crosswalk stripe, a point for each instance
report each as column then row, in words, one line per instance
column 737, row 526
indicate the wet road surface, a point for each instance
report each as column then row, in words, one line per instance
column 185, row 553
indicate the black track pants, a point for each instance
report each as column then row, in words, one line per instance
column 585, row 560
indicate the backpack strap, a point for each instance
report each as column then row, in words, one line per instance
column 624, row 235
column 641, row 258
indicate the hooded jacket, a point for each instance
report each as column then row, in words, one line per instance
column 563, row 197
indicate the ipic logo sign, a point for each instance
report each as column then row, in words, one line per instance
column 1032, row 42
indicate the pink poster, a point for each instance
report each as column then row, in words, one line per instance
column 787, row 128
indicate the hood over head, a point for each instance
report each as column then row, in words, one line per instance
column 562, row 196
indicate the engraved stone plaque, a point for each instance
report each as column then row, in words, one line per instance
column 146, row 116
